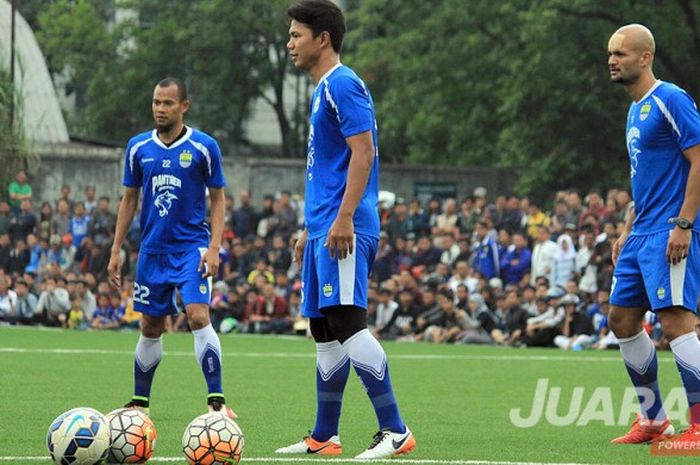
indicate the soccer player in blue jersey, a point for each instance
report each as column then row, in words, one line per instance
column 339, row 242
column 173, row 165
column 657, row 258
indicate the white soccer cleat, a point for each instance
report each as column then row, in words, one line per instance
column 386, row 443
column 309, row 445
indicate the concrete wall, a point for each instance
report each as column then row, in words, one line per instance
column 80, row 166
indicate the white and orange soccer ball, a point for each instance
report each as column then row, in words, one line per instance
column 79, row 436
column 132, row 436
column 212, row 439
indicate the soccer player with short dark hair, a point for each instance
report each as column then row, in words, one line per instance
column 173, row 165
column 340, row 240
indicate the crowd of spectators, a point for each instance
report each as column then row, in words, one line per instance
column 510, row 272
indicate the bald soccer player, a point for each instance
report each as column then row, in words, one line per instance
column 657, row 257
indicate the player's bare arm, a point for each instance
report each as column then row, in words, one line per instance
column 127, row 209
column 299, row 247
column 210, row 260
column 340, row 235
column 679, row 240
column 617, row 246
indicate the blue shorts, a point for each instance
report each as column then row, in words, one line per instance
column 158, row 275
column 327, row 282
column 643, row 278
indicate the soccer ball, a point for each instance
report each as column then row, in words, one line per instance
column 132, row 436
column 78, row 437
column 212, row 439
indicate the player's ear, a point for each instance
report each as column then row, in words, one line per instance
column 325, row 37
column 185, row 105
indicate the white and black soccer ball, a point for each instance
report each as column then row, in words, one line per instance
column 79, row 436
column 212, row 439
column 132, row 436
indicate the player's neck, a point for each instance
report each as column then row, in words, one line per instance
column 168, row 137
column 322, row 66
column 639, row 88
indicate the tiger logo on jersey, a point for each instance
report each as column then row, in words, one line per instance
column 164, row 202
column 163, row 185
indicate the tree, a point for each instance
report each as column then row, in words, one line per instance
column 15, row 151
column 520, row 84
column 228, row 54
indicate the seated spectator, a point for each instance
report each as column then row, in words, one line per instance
column 105, row 316
column 54, row 303
column 515, row 319
column 89, row 303
column 403, row 319
column 463, row 275
column 431, row 314
column 271, row 313
column 76, row 315
column 386, row 306
column 577, row 328
column 261, row 270
column 472, row 332
column 26, row 303
column 8, row 300
column 541, row 330
column 426, row 254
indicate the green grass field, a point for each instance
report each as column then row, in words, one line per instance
column 456, row 399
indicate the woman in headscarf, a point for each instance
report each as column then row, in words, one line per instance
column 564, row 266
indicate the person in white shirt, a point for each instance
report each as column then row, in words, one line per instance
column 543, row 256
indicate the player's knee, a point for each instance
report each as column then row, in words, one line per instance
column 197, row 316
column 152, row 327
column 346, row 320
column 676, row 322
column 624, row 322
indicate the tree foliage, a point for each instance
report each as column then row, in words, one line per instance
column 521, row 84
column 15, row 151
column 228, row 53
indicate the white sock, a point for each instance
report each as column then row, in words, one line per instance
column 637, row 351
column 330, row 357
column 148, row 352
column 365, row 352
column 206, row 338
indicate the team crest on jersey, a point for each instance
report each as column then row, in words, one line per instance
column 203, row 288
column 327, row 290
column 317, row 103
column 185, row 158
column 661, row 293
column 644, row 111
column 163, row 187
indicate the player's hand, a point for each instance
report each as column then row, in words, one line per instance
column 299, row 247
column 617, row 247
column 340, row 237
column 209, row 263
column 678, row 245
column 114, row 270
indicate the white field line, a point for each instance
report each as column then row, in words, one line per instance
column 506, row 358
column 331, row 460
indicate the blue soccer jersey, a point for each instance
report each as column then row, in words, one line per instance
column 173, row 180
column 341, row 107
column 660, row 126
